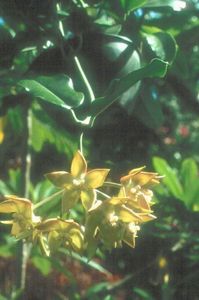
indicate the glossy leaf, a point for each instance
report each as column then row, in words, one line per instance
column 130, row 5
column 57, row 90
column 170, row 180
column 175, row 4
column 189, row 172
column 162, row 45
column 149, row 109
column 63, row 140
column 190, row 181
column 156, row 68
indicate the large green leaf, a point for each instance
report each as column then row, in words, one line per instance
column 170, row 180
column 130, row 5
column 54, row 89
column 175, row 4
column 190, row 181
column 43, row 264
column 162, row 45
column 45, row 130
column 148, row 108
column 156, row 68
column 145, row 295
column 189, row 172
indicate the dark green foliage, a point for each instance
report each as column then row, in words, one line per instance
column 141, row 61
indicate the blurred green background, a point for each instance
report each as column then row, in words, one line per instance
column 132, row 115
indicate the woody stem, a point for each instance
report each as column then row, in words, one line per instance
column 24, row 248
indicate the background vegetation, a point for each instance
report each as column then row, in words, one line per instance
column 99, row 68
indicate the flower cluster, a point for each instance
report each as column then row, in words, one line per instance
column 110, row 220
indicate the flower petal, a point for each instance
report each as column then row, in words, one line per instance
column 60, row 179
column 76, row 239
column 18, row 205
column 129, row 239
column 95, row 178
column 117, row 200
column 54, row 242
column 144, row 178
column 55, row 224
column 79, row 165
column 69, row 199
column 88, row 198
column 127, row 215
column 143, row 203
column 147, row 217
column 16, row 229
column 131, row 173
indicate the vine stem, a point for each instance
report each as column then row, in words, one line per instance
column 46, row 200
column 84, row 78
column 103, row 194
column 112, row 184
column 81, row 143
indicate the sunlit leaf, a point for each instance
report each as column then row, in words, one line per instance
column 163, row 45
column 175, row 4
column 45, row 130
column 170, row 180
column 190, row 181
column 57, row 90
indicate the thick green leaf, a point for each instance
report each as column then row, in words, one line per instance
column 130, row 5
column 189, row 172
column 156, row 68
column 148, row 108
column 170, row 180
column 143, row 293
column 4, row 188
column 190, row 181
column 55, row 89
column 163, row 45
column 43, row 264
column 175, row 4
column 97, row 288
column 45, row 130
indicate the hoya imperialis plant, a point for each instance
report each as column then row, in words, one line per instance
column 68, row 64
column 111, row 219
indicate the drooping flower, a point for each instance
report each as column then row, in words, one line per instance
column 79, row 183
column 62, row 233
column 111, row 222
column 23, row 219
column 137, row 187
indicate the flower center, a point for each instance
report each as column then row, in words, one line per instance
column 79, row 180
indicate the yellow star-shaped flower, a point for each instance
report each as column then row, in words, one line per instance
column 79, row 183
column 24, row 220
